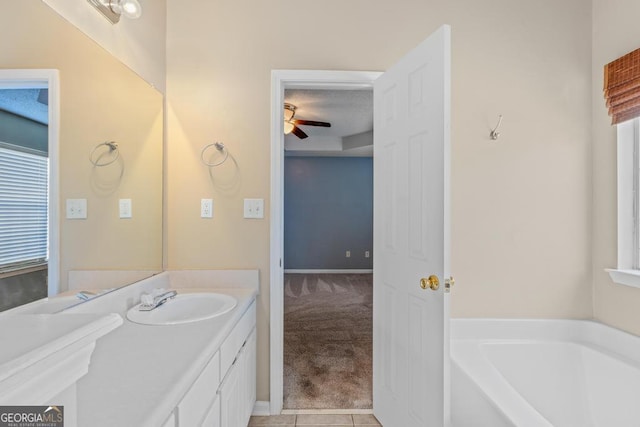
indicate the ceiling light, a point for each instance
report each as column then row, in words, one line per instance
column 289, row 111
column 113, row 9
column 288, row 127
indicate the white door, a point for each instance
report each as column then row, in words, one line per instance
column 411, row 237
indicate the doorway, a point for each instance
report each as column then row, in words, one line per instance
column 328, row 242
column 287, row 80
column 412, row 101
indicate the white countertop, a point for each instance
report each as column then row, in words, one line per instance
column 27, row 339
column 139, row 373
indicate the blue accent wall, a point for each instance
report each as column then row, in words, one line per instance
column 328, row 210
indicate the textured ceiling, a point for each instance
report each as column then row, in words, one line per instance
column 349, row 112
column 29, row 103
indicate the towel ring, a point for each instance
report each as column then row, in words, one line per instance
column 221, row 148
column 113, row 146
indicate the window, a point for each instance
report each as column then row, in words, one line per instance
column 628, row 271
column 24, row 194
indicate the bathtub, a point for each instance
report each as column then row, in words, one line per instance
column 561, row 373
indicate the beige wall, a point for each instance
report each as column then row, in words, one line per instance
column 615, row 33
column 140, row 43
column 521, row 222
column 100, row 100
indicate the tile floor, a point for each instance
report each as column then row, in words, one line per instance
column 314, row 421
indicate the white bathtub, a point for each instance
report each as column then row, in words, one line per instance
column 561, row 373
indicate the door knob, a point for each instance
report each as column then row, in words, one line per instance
column 431, row 282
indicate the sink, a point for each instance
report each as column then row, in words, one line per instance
column 184, row 308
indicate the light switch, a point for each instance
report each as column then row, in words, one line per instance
column 76, row 208
column 254, row 208
column 125, row 208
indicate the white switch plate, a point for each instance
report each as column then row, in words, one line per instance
column 254, row 208
column 125, row 208
column 348, row 254
column 76, row 208
column 206, row 208
column 367, row 254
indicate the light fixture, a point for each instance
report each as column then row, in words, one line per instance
column 113, row 9
column 288, row 127
column 289, row 112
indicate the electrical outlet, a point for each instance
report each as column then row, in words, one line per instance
column 76, row 208
column 348, row 254
column 254, row 208
column 125, row 208
column 367, row 254
column 206, row 208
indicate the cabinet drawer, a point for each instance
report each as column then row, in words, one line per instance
column 194, row 405
column 237, row 337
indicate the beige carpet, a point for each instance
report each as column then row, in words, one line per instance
column 327, row 341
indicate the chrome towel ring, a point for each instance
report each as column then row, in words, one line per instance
column 221, row 148
column 113, row 148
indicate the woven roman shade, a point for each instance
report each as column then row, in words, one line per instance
column 622, row 87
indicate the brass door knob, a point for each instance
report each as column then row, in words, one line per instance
column 431, row 282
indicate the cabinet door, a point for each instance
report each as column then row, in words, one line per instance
column 212, row 419
column 171, row 421
column 249, row 380
column 194, row 405
column 238, row 390
column 230, row 396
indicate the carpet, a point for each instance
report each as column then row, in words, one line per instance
column 328, row 341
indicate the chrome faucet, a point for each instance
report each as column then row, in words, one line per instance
column 149, row 302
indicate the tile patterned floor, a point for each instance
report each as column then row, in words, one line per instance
column 313, row 420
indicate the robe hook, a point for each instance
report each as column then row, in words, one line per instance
column 494, row 133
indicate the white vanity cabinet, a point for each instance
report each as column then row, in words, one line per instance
column 225, row 391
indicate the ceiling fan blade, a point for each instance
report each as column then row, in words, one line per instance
column 299, row 133
column 312, row 123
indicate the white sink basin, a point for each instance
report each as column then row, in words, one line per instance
column 184, row 308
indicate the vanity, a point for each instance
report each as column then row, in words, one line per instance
column 200, row 373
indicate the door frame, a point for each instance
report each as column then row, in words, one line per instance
column 49, row 78
column 281, row 80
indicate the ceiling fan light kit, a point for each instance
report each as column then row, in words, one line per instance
column 291, row 124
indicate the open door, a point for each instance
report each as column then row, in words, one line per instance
column 411, row 238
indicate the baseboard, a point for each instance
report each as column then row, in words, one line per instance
column 261, row 409
column 330, row 271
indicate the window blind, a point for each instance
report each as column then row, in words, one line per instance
column 622, row 87
column 24, row 197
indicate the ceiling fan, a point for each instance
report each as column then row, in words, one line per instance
column 291, row 124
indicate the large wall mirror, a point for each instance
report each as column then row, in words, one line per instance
column 99, row 100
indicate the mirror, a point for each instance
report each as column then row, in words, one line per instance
column 100, row 100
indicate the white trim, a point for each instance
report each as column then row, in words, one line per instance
column 625, row 277
column 626, row 133
column 281, row 80
column 261, row 409
column 339, row 271
column 45, row 78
